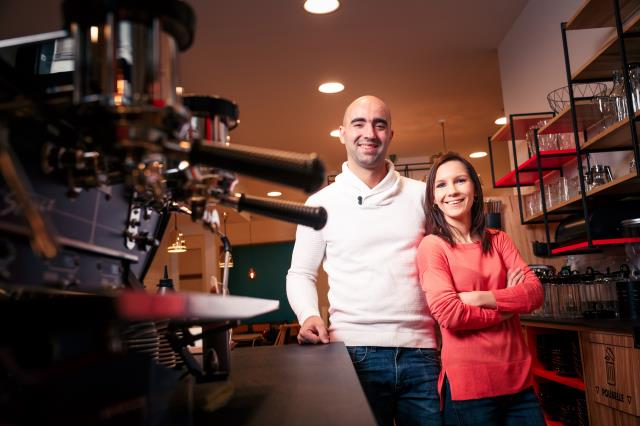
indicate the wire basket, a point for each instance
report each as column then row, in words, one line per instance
column 559, row 99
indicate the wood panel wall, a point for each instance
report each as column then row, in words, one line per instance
column 524, row 235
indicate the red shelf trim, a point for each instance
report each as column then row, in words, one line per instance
column 552, row 422
column 529, row 169
column 605, row 242
column 573, row 382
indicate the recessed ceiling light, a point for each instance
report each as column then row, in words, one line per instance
column 321, row 6
column 478, row 154
column 331, row 87
column 501, row 121
column 274, row 193
column 335, row 133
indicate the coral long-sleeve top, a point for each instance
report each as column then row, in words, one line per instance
column 482, row 355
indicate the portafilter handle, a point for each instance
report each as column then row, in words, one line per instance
column 314, row 217
column 304, row 171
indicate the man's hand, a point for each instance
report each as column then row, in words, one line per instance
column 313, row 331
column 514, row 277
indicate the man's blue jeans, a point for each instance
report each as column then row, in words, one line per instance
column 400, row 383
column 520, row 409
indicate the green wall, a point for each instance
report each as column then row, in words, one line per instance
column 271, row 262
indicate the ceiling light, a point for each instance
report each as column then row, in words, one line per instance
column 478, row 154
column 335, row 133
column 331, row 87
column 321, row 6
column 501, row 121
column 274, row 193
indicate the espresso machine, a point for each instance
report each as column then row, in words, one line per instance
column 97, row 151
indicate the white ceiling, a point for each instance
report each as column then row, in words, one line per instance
column 429, row 59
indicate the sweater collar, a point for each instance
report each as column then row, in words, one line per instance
column 381, row 194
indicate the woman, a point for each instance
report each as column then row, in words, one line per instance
column 476, row 283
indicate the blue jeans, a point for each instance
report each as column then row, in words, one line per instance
column 520, row 409
column 400, row 383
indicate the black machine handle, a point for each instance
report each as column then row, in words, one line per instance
column 314, row 217
column 304, row 171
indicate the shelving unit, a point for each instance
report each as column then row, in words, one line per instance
column 609, row 56
column 540, row 373
column 527, row 173
column 572, row 382
column 621, row 48
column 597, row 14
column 581, row 118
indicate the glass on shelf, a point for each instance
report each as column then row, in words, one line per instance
column 566, row 141
column 618, row 96
column 533, row 203
column 564, row 192
column 574, row 187
column 545, row 142
column 605, row 109
column 598, row 175
column 634, row 80
column 569, row 300
column 552, row 193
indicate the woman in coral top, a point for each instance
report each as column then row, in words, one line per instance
column 476, row 284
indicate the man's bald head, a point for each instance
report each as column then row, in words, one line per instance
column 366, row 100
column 366, row 133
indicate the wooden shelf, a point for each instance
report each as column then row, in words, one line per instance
column 596, row 243
column 539, row 217
column 521, row 125
column 573, row 382
column 570, row 204
column 628, row 184
column 599, row 14
column 528, row 170
column 607, row 58
column 616, row 136
column 586, row 114
column 625, row 185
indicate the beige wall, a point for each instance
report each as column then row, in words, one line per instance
column 531, row 56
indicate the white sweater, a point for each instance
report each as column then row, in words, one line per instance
column 369, row 247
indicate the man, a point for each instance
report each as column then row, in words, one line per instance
column 377, row 308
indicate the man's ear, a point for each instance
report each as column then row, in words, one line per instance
column 342, row 132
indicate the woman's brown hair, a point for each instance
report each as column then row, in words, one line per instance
column 436, row 222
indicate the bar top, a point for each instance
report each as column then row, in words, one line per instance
column 581, row 324
column 294, row 385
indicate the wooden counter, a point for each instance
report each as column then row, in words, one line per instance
column 610, row 355
column 609, row 325
column 311, row 385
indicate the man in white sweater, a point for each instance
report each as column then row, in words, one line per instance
column 377, row 308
